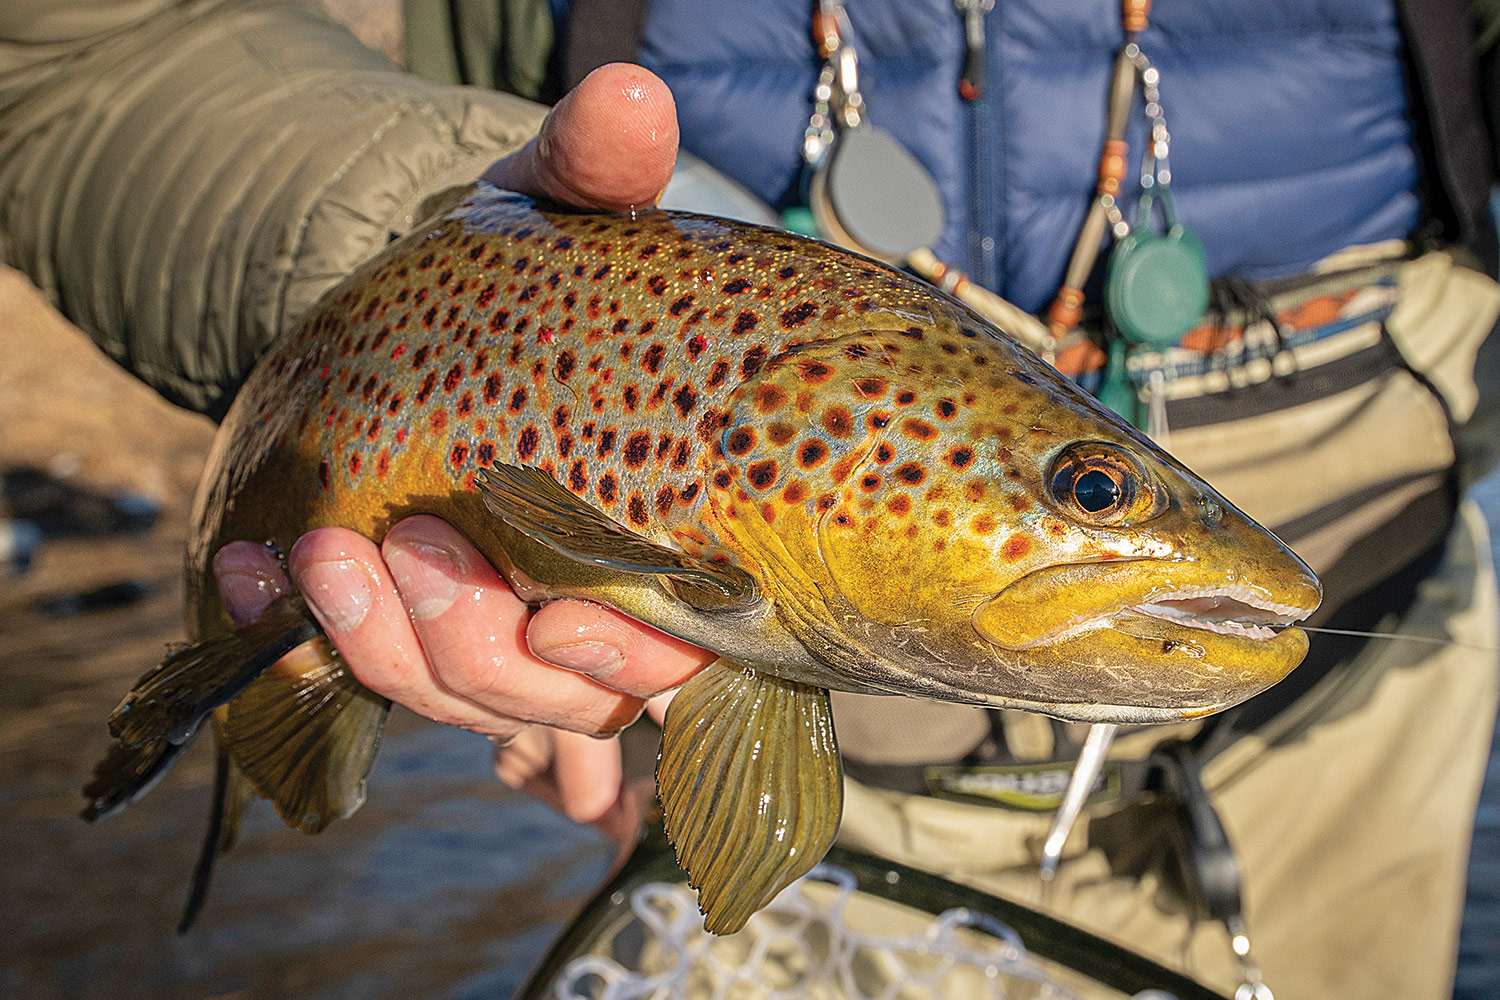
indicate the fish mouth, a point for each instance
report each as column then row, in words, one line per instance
column 1232, row 610
column 1182, row 596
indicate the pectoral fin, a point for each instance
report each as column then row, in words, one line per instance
column 535, row 504
column 750, row 780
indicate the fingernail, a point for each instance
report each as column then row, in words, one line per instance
column 425, row 576
column 338, row 592
column 596, row 659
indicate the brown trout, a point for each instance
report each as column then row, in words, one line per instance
column 825, row 471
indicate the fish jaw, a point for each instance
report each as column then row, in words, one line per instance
column 1189, row 635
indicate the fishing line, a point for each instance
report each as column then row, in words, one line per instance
column 1433, row 640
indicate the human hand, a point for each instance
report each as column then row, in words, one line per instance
column 424, row 620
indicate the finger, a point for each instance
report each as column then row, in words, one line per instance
column 588, row 773
column 526, row 759
column 350, row 592
column 612, row 648
column 250, row 578
column 610, row 143
column 472, row 629
column 579, row 776
column 657, row 707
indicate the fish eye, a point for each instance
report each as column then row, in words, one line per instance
column 1102, row 484
column 1096, row 492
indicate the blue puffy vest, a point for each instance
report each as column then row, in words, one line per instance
column 1288, row 119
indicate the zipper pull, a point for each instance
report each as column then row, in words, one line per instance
column 971, row 80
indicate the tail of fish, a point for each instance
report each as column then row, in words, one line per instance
column 291, row 725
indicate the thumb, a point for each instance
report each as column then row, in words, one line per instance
column 610, row 143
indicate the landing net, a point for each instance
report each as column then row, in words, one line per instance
column 807, row 944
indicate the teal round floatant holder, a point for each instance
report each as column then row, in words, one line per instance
column 1116, row 391
column 1156, row 284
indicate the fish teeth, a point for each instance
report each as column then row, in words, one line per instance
column 1234, row 591
column 1226, row 627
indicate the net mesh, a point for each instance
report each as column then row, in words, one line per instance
column 808, row 943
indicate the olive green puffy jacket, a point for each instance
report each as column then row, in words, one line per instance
column 183, row 179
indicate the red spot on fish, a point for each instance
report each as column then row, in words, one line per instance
column 425, row 389
column 984, row 524
column 779, row 433
column 942, row 518
column 900, row 504
column 768, row 398
column 754, row 358
column 635, row 509
column 919, row 430
column 1016, row 547
column 838, row 422
column 911, row 473
column 960, row 457
column 458, row 455
column 493, row 386
column 812, row 454
column 870, row 388
column 762, row 475
column 527, row 441
column 684, row 400
column 814, row 372
column 797, row 315
column 740, row 441
column 637, row 449
column 1020, row 503
column 354, row 463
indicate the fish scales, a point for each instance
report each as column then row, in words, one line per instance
column 810, row 463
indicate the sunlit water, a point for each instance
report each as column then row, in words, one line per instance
column 445, row 885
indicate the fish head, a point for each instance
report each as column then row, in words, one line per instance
column 946, row 516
